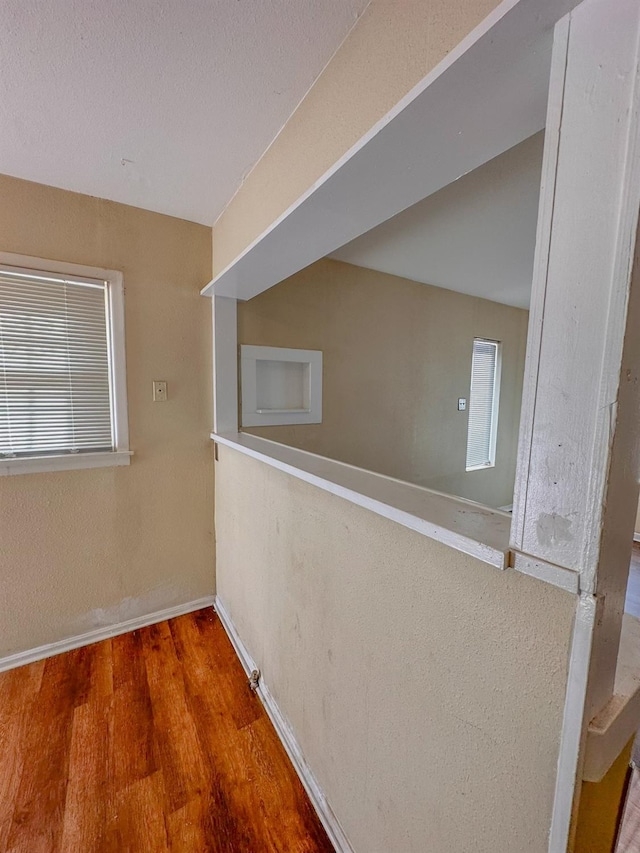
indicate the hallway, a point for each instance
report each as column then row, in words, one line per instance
column 150, row 741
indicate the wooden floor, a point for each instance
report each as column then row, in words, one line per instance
column 145, row 743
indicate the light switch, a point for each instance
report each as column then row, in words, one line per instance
column 159, row 391
column 462, row 404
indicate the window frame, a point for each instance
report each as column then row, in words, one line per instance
column 121, row 454
column 495, row 406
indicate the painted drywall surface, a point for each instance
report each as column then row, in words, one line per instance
column 81, row 549
column 396, row 358
column 426, row 689
column 392, row 47
column 476, row 235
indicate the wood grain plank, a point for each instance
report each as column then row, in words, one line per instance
column 140, row 824
column 128, row 658
column 40, row 800
column 179, row 752
column 85, row 812
column 206, row 654
column 18, row 691
column 101, row 684
column 133, row 750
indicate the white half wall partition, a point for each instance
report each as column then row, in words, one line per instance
column 572, row 69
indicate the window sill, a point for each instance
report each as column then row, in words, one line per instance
column 64, row 462
column 464, row 525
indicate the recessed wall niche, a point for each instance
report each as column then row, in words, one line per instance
column 280, row 386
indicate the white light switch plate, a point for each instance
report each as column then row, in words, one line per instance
column 159, row 391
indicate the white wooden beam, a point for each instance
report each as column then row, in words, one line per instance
column 573, row 735
column 225, row 364
column 581, row 389
column 540, row 266
column 577, row 477
column 487, row 95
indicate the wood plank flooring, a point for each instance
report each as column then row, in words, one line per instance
column 148, row 742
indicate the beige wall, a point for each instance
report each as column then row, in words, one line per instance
column 81, row 549
column 396, row 357
column 425, row 688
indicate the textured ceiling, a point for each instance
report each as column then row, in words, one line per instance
column 476, row 235
column 162, row 104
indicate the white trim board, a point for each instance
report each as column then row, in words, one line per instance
column 224, row 319
column 64, row 462
column 461, row 524
column 547, row 572
column 287, row 737
column 105, row 633
column 487, row 95
column 571, row 739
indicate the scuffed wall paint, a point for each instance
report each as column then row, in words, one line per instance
column 426, row 689
column 80, row 548
column 152, row 601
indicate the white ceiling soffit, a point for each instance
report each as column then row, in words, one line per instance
column 476, row 235
column 163, row 105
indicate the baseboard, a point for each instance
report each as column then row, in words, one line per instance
column 51, row 649
column 636, row 537
column 287, row 737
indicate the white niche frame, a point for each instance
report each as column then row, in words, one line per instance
column 304, row 403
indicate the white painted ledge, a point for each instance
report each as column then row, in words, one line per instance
column 64, row 462
column 461, row 524
column 613, row 727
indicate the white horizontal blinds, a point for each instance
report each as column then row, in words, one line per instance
column 55, row 394
column 483, row 404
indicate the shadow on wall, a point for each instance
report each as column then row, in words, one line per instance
column 397, row 356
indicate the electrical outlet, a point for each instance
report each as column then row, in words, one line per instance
column 159, row 391
column 462, row 404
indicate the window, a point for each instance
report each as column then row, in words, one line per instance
column 62, row 375
column 483, row 404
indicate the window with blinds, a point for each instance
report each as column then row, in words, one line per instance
column 483, row 404
column 56, row 393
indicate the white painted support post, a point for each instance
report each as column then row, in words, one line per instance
column 225, row 364
column 582, row 388
column 577, row 479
